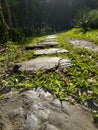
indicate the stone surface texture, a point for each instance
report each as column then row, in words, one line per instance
column 42, row 44
column 38, row 110
column 50, row 51
column 51, row 36
column 44, row 63
column 84, row 44
column 49, row 40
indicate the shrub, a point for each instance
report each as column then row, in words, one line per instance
column 93, row 19
column 2, row 38
column 82, row 18
column 87, row 19
column 16, row 35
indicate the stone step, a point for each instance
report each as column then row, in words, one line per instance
column 51, row 36
column 43, row 64
column 78, row 43
column 42, row 44
column 50, row 51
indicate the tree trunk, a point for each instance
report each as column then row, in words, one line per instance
column 9, row 13
column 26, row 12
column 6, row 28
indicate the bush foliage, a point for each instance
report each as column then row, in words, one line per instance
column 87, row 19
column 16, row 35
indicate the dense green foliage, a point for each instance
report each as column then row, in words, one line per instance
column 87, row 19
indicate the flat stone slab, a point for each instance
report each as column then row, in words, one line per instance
column 49, row 40
column 50, row 51
column 42, row 44
column 43, row 64
column 51, row 37
column 84, row 44
column 38, row 110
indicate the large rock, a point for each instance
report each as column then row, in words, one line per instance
column 38, row 110
column 50, row 51
column 84, row 44
column 43, row 64
column 42, row 44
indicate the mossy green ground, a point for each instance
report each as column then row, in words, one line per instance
column 78, row 83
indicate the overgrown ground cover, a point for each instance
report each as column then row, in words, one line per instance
column 78, row 83
column 11, row 53
column 91, row 35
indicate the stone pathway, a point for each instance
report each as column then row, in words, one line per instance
column 51, row 37
column 44, row 63
column 42, row 44
column 50, row 51
column 38, row 110
column 84, row 44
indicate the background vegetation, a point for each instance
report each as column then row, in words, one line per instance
column 19, row 18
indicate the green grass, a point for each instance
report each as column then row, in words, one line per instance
column 35, row 39
column 14, row 53
column 78, row 83
column 91, row 35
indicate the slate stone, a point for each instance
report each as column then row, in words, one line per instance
column 43, row 64
column 84, row 44
column 42, row 45
column 51, row 37
column 42, row 112
column 49, row 40
column 50, row 51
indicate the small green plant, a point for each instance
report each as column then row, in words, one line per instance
column 95, row 116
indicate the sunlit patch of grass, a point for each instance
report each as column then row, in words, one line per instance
column 84, row 75
column 90, row 35
column 33, row 40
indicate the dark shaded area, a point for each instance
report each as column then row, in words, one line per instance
column 31, row 17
